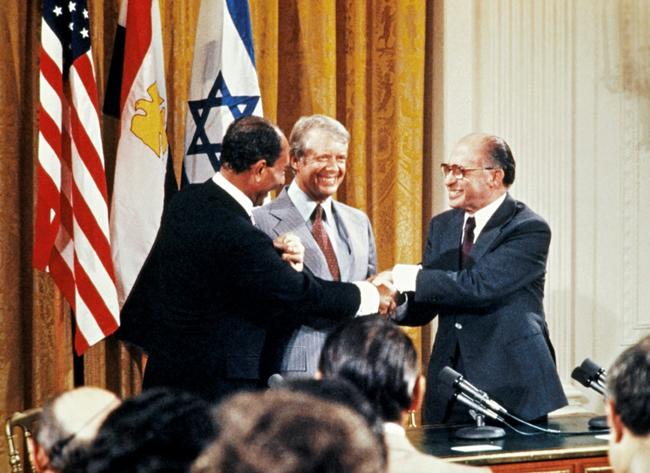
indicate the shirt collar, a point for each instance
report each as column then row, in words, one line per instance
column 234, row 192
column 306, row 205
column 482, row 216
column 394, row 428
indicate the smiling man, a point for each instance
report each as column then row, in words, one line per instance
column 483, row 277
column 338, row 239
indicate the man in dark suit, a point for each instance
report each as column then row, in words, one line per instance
column 318, row 153
column 483, row 276
column 214, row 284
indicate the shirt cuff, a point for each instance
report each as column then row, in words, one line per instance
column 369, row 298
column 405, row 275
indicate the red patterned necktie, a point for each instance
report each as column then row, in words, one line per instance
column 468, row 242
column 320, row 235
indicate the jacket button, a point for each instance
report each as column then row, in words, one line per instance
column 458, row 325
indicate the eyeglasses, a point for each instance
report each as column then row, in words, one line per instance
column 459, row 171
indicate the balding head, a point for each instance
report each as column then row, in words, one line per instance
column 71, row 421
column 479, row 171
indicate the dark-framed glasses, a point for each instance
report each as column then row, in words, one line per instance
column 458, row 172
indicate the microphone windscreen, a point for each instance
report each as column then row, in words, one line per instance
column 590, row 367
column 275, row 381
column 581, row 376
column 448, row 376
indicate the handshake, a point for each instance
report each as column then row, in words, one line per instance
column 388, row 293
column 292, row 251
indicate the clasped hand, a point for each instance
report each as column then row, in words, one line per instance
column 388, row 294
column 292, row 250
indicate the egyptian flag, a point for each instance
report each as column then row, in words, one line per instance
column 143, row 169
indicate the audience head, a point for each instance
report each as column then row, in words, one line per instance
column 380, row 360
column 279, row 431
column 69, row 423
column 628, row 385
column 319, row 151
column 342, row 392
column 255, row 154
column 480, row 169
column 159, row 430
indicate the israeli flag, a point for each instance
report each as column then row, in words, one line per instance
column 224, row 84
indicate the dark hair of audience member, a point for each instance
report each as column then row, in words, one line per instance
column 378, row 358
column 342, row 392
column 628, row 383
column 247, row 140
column 160, row 430
column 279, row 431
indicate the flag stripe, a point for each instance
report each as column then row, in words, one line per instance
column 88, row 225
column 90, row 295
column 51, row 133
column 51, row 46
column 136, row 44
column 88, row 154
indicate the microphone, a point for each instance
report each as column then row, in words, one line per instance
column 594, row 370
column 590, row 375
column 454, row 379
column 462, row 397
column 275, row 381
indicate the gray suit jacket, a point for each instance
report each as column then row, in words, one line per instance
column 304, row 343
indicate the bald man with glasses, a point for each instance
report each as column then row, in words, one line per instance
column 483, row 277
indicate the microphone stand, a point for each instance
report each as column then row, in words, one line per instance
column 480, row 431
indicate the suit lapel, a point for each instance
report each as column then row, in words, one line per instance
column 493, row 227
column 346, row 228
column 448, row 256
column 289, row 219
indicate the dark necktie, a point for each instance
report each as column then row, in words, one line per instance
column 468, row 242
column 320, row 235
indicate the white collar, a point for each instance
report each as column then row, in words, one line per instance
column 306, row 205
column 482, row 216
column 234, row 192
column 393, row 428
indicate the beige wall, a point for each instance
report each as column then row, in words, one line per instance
column 567, row 84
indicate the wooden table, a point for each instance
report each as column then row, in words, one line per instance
column 526, row 454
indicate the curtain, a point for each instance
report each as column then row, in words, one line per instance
column 362, row 62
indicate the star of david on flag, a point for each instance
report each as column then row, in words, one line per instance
column 219, row 97
column 224, row 84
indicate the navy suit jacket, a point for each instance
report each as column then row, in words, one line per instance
column 492, row 310
column 304, row 343
column 211, row 289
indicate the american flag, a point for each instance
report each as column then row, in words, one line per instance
column 71, row 229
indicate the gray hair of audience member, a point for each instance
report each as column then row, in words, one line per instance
column 298, row 139
column 278, row 431
column 70, row 422
column 628, row 385
column 378, row 358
